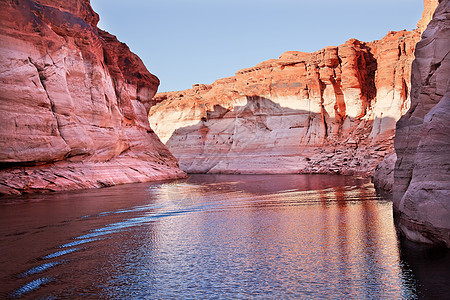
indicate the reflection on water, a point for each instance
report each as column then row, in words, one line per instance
column 223, row 236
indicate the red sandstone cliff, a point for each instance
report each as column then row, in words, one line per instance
column 73, row 103
column 331, row 111
column 422, row 141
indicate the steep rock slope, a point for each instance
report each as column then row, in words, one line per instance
column 331, row 111
column 422, row 141
column 73, row 103
column 429, row 6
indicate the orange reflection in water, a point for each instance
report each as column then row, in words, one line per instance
column 281, row 236
column 337, row 240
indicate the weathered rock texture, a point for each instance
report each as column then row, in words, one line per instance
column 422, row 141
column 383, row 178
column 331, row 111
column 427, row 15
column 73, row 103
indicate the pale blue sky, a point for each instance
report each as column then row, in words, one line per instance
column 199, row 41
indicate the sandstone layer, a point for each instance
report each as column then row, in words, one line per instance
column 331, row 111
column 73, row 103
column 422, row 142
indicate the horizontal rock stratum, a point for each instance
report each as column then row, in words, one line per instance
column 331, row 111
column 73, row 103
column 421, row 189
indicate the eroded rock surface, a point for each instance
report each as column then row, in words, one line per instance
column 383, row 178
column 429, row 6
column 422, row 141
column 73, row 103
column 331, row 111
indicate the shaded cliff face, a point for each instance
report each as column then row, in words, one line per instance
column 331, row 111
column 73, row 103
column 422, row 142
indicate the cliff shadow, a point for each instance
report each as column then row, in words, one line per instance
column 254, row 115
column 430, row 266
column 266, row 128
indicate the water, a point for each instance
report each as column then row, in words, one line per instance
column 223, row 236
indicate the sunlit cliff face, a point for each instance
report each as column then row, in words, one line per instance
column 427, row 15
column 273, row 117
column 331, row 111
column 73, row 103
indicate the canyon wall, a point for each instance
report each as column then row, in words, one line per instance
column 331, row 111
column 421, row 190
column 73, row 103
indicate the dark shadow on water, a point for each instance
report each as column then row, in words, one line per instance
column 430, row 266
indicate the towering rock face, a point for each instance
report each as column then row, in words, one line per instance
column 422, row 141
column 429, row 6
column 73, row 103
column 331, row 111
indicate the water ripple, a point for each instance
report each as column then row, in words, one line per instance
column 175, row 203
column 31, row 286
column 79, row 242
column 40, row 268
column 60, row 253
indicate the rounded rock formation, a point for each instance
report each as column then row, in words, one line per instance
column 422, row 142
column 73, row 103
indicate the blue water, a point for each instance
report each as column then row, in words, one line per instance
column 221, row 237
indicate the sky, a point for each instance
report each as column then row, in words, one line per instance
column 199, row 41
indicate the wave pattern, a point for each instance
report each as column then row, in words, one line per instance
column 170, row 200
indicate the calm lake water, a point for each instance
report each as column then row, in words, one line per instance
column 215, row 236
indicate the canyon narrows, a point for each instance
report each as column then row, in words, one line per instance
column 271, row 213
column 78, row 110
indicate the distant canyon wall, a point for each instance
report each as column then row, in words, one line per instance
column 421, row 190
column 331, row 111
column 73, row 103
